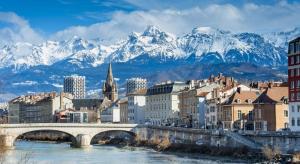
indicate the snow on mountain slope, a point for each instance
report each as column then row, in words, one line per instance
column 203, row 40
column 206, row 43
column 152, row 42
column 280, row 39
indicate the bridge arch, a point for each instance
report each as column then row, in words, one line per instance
column 47, row 134
column 112, row 134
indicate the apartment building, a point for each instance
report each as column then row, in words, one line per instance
column 237, row 110
column 75, row 85
column 162, row 103
column 192, row 104
column 294, row 83
column 136, row 106
column 38, row 108
column 135, row 84
column 271, row 111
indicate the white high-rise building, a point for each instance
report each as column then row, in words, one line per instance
column 135, row 84
column 75, row 85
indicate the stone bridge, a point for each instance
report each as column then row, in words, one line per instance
column 82, row 134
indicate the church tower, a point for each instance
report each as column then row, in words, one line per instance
column 109, row 88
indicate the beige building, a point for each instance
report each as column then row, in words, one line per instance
column 38, row 108
column 271, row 109
column 237, row 110
column 192, row 104
column 123, row 111
column 162, row 103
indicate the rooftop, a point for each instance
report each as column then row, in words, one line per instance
column 242, row 97
column 273, row 95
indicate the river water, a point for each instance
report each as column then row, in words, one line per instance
column 62, row 153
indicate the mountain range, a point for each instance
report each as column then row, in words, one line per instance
column 153, row 54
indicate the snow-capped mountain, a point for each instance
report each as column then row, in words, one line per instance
column 153, row 53
column 204, row 43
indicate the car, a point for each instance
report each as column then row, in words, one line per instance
column 199, row 142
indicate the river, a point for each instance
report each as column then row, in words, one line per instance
column 62, row 153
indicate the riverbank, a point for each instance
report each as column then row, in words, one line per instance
column 162, row 144
column 165, row 146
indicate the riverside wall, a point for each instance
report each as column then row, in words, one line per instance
column 287, row 142
column 188, row 136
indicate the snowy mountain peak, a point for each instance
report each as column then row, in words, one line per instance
column 152, row 31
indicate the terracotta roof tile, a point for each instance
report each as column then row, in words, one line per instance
column 274, row 94
column 242, row 97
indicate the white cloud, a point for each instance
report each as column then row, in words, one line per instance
column 17, row 29
column 178, row 20
column 248, row 17
column 26, row 83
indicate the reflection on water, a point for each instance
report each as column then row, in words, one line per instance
column 49, row 153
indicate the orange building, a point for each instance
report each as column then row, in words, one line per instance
column 237, row 110
column 271, row 109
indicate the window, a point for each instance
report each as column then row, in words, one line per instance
column 286, row 114
column 297, row 46
column 292, row 96
column 293, row 122
column 298, row 83
column 297, row 59
column 291, row 48
column 239, row 114
column 292, row 72
column 293, row 110
column 298, row 108
column 250, row 115
column 298, row 95
column 292, row 60
column 292, row 84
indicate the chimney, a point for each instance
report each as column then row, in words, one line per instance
column 270, row 85
column 192, row 84
column 239, row 89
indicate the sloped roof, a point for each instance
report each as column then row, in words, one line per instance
column 202, row 94
column 273, row 95
column 242, row 97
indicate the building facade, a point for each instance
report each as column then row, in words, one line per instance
column 294, row 83
column 135, row 84
column 75, row 85
column 237, row 110
column 123, row 111
column 111, row 114
column 109, row 88
column 162, row 103
column 39, row 108
column 136, row 106
column 271, row 111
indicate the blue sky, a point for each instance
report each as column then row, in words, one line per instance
column 110, row 20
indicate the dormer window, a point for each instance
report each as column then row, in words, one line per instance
column 249, row 101
column 238, row 100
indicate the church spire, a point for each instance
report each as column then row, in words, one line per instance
column 109, row 88
column 109, row 77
